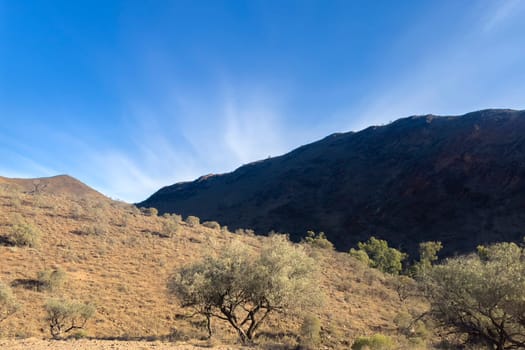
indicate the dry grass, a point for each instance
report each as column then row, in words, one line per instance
column 123, row 267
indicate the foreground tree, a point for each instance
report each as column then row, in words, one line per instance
column 66, row 316
column 243, row 288
column 482, row 296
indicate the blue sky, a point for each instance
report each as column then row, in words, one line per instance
column 129, row 96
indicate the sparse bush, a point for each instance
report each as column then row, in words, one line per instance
column 374, row 342
column 244, row 288
column 318, row 240
column 380, row 255
column 150, row 211
column 51, row 280
column 8, row 305
column 76, row 211
column 193, row 221
column 311, row 332
column 24, row 234
column 212, row 224
column 169, row 228
column 96, row 229
column 66, row 316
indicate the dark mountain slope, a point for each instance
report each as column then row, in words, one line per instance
column 460, row 180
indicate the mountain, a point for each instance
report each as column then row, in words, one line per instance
column 457, row 179
column 57, row 185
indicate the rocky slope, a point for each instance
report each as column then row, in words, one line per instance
column 458, row 179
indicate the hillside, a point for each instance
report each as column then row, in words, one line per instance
column 55, row 185
column 457, row 179
column 119, row 258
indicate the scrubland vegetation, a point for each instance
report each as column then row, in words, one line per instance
column 89, row 267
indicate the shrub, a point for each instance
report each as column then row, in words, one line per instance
column 24, row 234
column 361, row 256
column 150, row 211
column 381, row 256
column 169, row 227
column 212, row 224
column 193, row 221
column 97, row 229
column 375, row 342
column 318, row 240
column 311, row 332
column 66, row 316
column 8, row 305
column 51, row 280
column 244, row 288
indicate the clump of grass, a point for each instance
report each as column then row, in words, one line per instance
column 374, row 342
column 51, row 280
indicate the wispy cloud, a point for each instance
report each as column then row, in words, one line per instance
column 501, row 12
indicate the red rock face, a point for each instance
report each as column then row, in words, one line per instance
column 460, row 180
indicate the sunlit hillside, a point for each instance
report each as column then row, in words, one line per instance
column 119, row 258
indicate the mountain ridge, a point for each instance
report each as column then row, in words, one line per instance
column 458, row 179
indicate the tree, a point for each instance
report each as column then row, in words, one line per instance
column 380, row 255
column 65, row 316
column 8, row 305
column 482, row 296
column 243, row 288
column 427, row 257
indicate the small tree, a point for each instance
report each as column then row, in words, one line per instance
column 243, row 288
column 8, row 305
column 482, row 297
column 65, row 316
column 381, row 256
column 427, row 256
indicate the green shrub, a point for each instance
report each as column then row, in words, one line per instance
column 212, row 224
column 361, row 256
column 51, row 280
column 24, row 234
column 375, row 342
column 66, row 316
column 381, row 256
column 193, row 221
